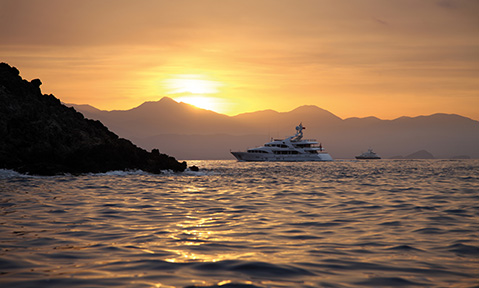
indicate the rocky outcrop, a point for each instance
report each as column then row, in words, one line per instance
column 39, row 135
column 422, row 154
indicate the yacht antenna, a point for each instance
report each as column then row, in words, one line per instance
column 299, row 131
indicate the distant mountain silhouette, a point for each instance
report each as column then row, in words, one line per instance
column 283, row 123
column 422, row 154
column 192, row 133
column 159, row 117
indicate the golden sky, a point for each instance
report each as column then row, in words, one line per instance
column 353, row 58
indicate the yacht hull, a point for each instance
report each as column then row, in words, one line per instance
column 246, row 156
column 367, row 158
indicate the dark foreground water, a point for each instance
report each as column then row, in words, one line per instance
column 340, row 224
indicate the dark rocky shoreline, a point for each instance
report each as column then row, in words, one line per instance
column 41, row 136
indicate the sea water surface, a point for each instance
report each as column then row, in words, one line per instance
column 385, row 223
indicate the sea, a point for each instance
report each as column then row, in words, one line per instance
column 379, row 223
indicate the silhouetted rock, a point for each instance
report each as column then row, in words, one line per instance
column 194, row 168
column 39, row 135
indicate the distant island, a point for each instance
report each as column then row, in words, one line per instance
column 422, row 154
column 39, row 135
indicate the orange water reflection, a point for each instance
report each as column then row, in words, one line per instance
column 197, row 232
column 358, row 227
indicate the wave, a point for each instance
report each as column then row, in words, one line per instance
column 247, row 225
column 7, row 173
column 389, row 282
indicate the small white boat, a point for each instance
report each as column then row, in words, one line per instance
column 293, row 148
column 368, row 155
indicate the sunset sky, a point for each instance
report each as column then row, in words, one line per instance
column 353, row 58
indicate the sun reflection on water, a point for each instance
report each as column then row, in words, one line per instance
column 191, row 232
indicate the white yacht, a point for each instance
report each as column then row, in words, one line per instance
column 293, row 148
column 368, row 155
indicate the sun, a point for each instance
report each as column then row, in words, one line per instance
column 194, row 89
column 204, row 102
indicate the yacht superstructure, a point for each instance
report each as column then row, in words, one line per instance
column 368, row 155
column 293, row 148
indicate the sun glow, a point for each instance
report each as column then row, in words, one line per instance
column 192, row 89
column 191, row 83
column 208, row 103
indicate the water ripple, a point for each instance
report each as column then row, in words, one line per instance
column 234, row 224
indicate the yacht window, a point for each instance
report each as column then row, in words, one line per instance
column 303, row 145
column 257, row 151
column 285, row 152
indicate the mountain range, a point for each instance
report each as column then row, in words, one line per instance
column 187, row 132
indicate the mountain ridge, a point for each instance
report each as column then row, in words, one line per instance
column 445, row 135
column 171, row 100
